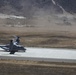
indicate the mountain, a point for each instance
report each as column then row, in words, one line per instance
column 29, row 7
column 41, row 12
column 68, row 5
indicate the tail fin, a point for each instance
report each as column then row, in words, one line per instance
column 11, row 47
column 16, row 41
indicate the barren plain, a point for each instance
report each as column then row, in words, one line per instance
column 42, row 32
column 15, row 67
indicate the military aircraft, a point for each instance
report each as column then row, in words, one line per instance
column 14, row 46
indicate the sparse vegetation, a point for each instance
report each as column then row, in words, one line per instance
column 35, row 37
column 45, row 24
column 15, row 67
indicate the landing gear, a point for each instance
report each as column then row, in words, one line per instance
column 12, row 52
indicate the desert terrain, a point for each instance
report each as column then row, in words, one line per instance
column 38, row 23
column 46, row 31
column 15, row 67
column 39, row 32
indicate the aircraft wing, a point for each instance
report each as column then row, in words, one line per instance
column 16, row 48
column 19, row 48
column 4, row 47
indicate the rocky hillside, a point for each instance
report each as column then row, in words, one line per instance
column 29, row 7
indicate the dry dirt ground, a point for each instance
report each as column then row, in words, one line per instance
column 49, row 36
column 60, row 36
column 16, row 67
